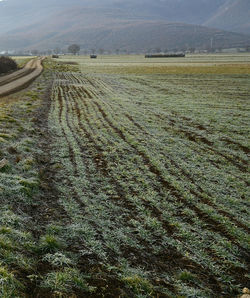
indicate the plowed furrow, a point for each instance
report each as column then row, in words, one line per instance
column 121, row 192
column 200, row 191
column 214, row 225
column 147, row 207
column 196, row 138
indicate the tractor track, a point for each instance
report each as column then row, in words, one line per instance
column 20, row 79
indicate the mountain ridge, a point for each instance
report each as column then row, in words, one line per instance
column 225, row 17
column 89, row 23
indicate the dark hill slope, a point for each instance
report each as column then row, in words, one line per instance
column 116, row 33
column 132, row 25
column 224, row 14
column 16, row 13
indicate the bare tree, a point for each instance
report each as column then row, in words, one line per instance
column 74, row 49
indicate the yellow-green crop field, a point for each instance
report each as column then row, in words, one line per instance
column 127, row 177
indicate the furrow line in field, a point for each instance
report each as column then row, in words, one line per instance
column 242, row 170
column 211, row 253
column 155, row 210
column 196, row 138
column 216, row 165
column 214, row 224
column 190, row 122
column 99, row 157
column 87, row 103
column 79, row 112
column 115, row 182
column 208, row 199
column 216, row 152
column 99, row 85
column 64, row 124
column 200, row 193
column 63, row 114
column 98, row 148
column 229, row 141
column 204, row 196
column 72, row 107
column 85, row 109
column 75, row 165
column 95, row 88
column 136, row 124
column 139, row 129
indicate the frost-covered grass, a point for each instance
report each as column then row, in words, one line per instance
column 153, row 173
column 136, row 185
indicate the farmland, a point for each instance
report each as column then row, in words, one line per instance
column 132, row 179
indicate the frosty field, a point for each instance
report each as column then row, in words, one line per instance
column 131, row 179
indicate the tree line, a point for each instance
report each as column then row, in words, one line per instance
column 76, row 49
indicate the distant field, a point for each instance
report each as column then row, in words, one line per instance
column 191, row 64
column 22, row 60
column 131, row 180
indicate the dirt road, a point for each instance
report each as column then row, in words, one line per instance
column 19, row 79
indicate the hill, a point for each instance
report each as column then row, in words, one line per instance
column 128, row 25
column 16, row 13
column 234, row 15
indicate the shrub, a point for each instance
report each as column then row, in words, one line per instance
column 7, row 64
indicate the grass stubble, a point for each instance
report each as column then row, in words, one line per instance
column 129, row 182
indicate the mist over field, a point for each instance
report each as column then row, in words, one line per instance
column 128, row 25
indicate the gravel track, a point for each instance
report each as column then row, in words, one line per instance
column 20, row 79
